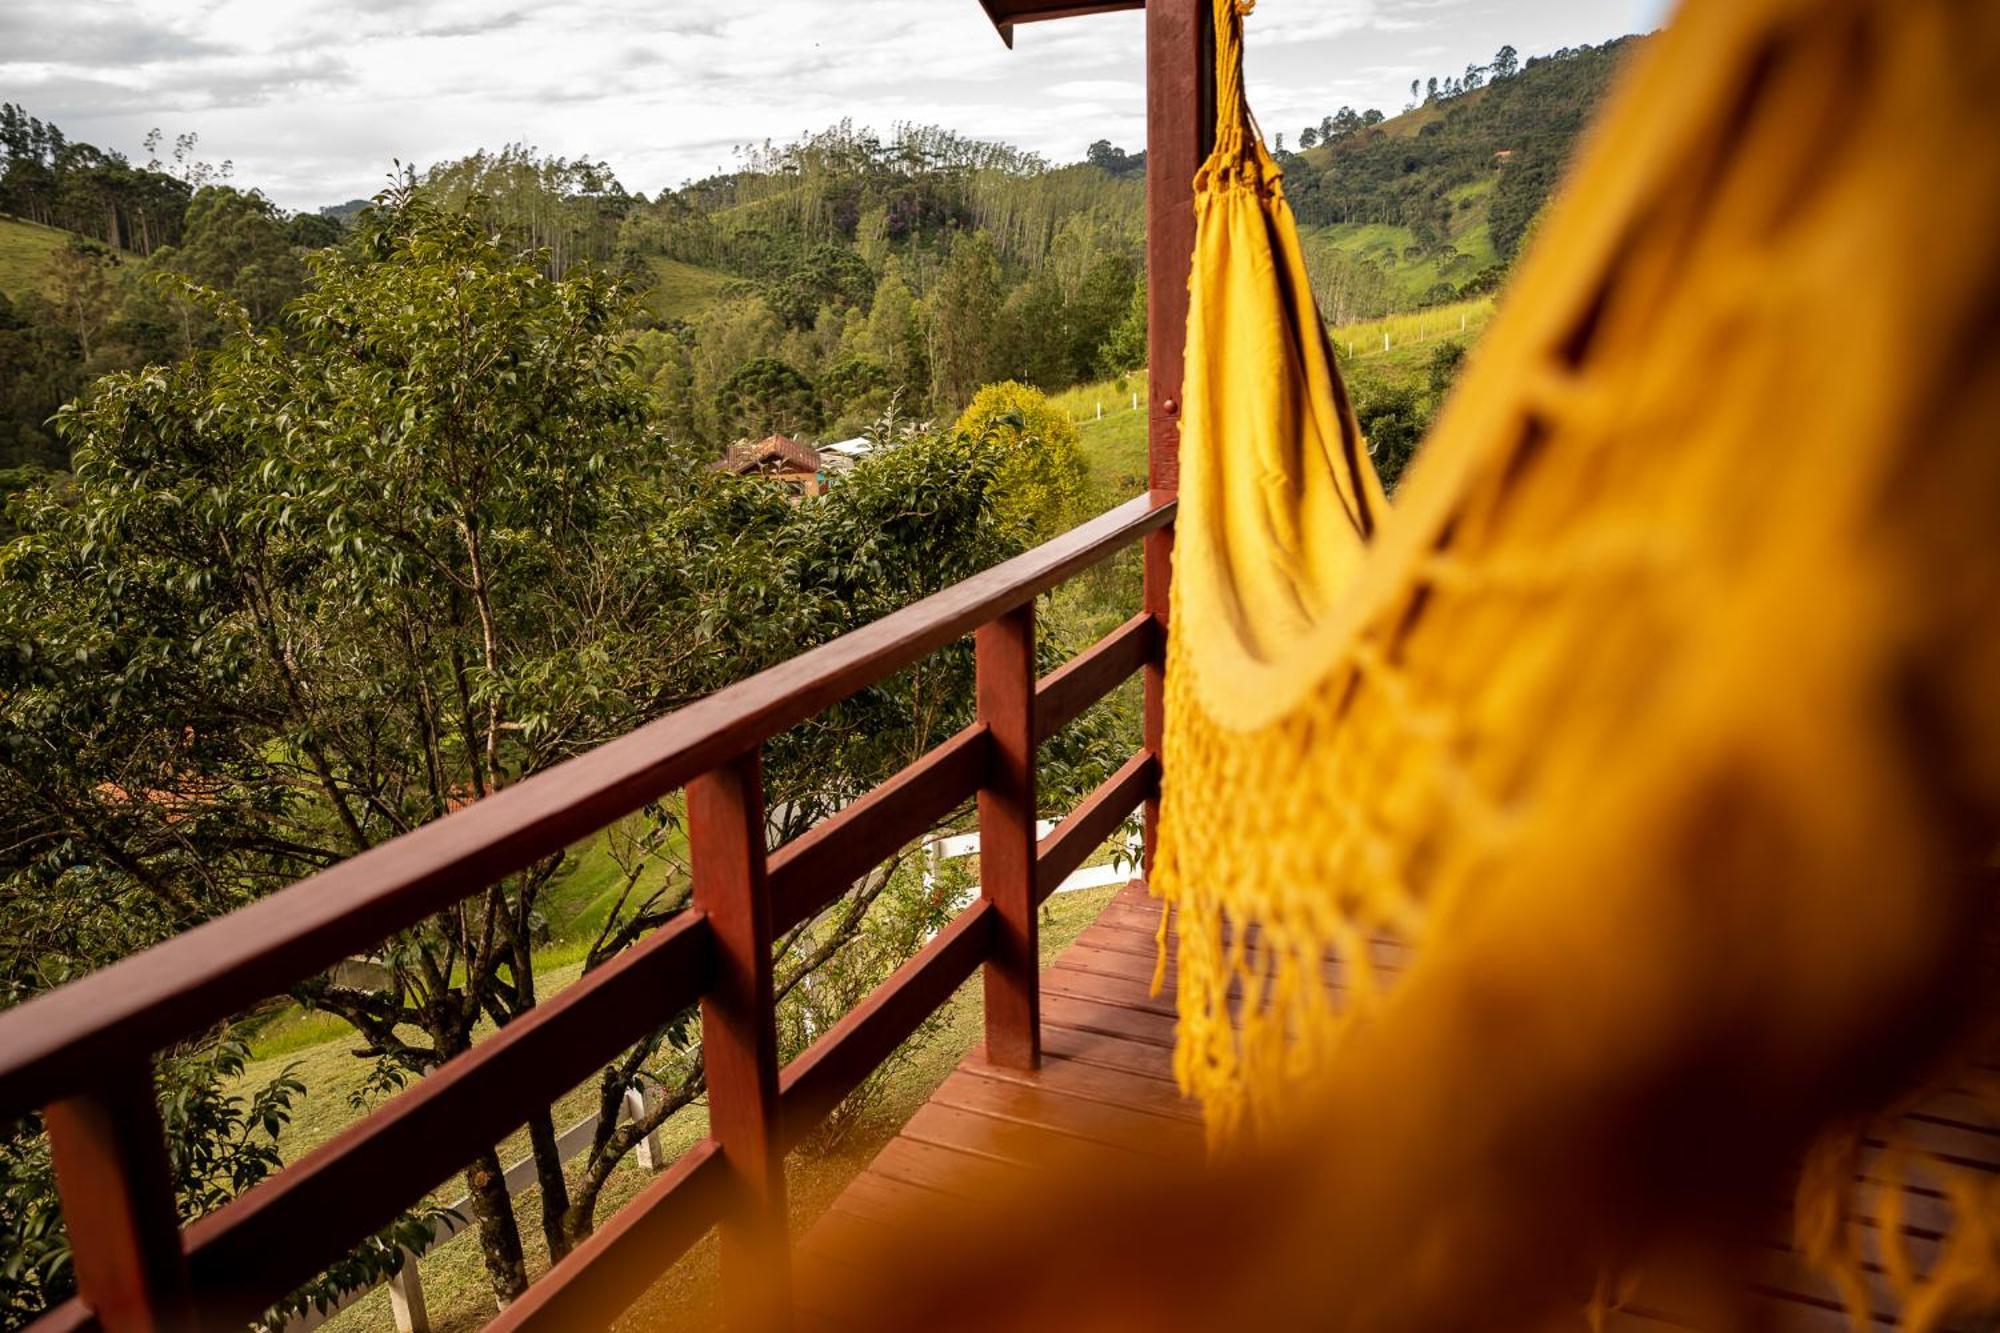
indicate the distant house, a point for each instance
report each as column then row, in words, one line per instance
column 777, row 458
column 858, row 447
column 841, row 455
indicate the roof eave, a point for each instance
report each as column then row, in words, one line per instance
column 1006, row 13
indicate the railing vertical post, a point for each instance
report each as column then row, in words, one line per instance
column 1180, row 127
column 739, row 1038
column 117, row 1197
column 1159, row 556
column 1004, row 653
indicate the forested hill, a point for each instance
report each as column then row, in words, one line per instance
column 1435, row 203
column 815, row 287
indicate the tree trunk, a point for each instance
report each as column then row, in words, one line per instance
column 555, row 1189
column 499, row 1234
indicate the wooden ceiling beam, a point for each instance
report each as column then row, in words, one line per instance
column 1006, row 13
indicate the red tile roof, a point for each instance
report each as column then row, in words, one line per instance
column 773, row 453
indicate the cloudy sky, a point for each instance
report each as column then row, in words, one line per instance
column 313, row 99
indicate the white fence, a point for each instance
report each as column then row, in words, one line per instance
column 1088, row 877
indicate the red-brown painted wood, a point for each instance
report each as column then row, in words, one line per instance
column 72, row 1316
column 1004, row 655
column 53, row 1044
column 1135, row 1092
column 118, row 1203
column 1088, row 1014
column 1159, row 556
column 1064, row 694
column 739, row 1039
column 1071, row 841
column 278, row 1235
column 603, row 1276
column 813, row 1084
column 1006, row 13
column 1180, row 127
column 814, row 869
column 1115, row 1127
column 987, row 1134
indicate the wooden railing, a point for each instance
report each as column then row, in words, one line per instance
column 83, row 1054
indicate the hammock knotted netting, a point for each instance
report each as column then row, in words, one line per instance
column 1658, row 727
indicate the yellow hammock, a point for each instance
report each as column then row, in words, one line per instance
column 1668, row 689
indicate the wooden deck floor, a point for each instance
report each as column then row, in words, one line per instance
column 1106, row 1098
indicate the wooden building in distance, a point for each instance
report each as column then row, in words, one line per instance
column 778, row 458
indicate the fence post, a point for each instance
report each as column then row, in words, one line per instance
column 739, row 1038
column 639, row 1103
column 406, row 1298
column 1004, row 655
column 117, row 1197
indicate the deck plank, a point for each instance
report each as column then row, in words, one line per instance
column 1105, row 1100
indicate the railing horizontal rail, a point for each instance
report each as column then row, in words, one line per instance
column 72, row 1316
column 50, row 1045
column 595, row 1283
column 276, row 1236
column 815, row 1083
column 1092, row 822
column 815, row 868
column 242, row 1258
column 1065, row 693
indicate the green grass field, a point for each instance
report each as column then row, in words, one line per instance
column 24, row 249
column 682, row 291
column 1114, row 444
column 1110, row 415
column 1366, row 338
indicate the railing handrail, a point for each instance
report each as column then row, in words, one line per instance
column 50, row 1046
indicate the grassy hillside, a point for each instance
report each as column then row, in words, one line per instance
column 1376, row 338
column 1388, row 363
column 1413, row 272
column 682, row 291
column 1430, row 206
column 24, row 248
column 1111, row 417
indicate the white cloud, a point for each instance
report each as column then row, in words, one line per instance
column 313, row 99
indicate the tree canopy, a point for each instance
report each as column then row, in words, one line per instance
column 416, row 537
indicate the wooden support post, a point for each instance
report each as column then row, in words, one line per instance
column 739, row 1038
column 118, row 1202
column 1005, row 658
column 1180, row 127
